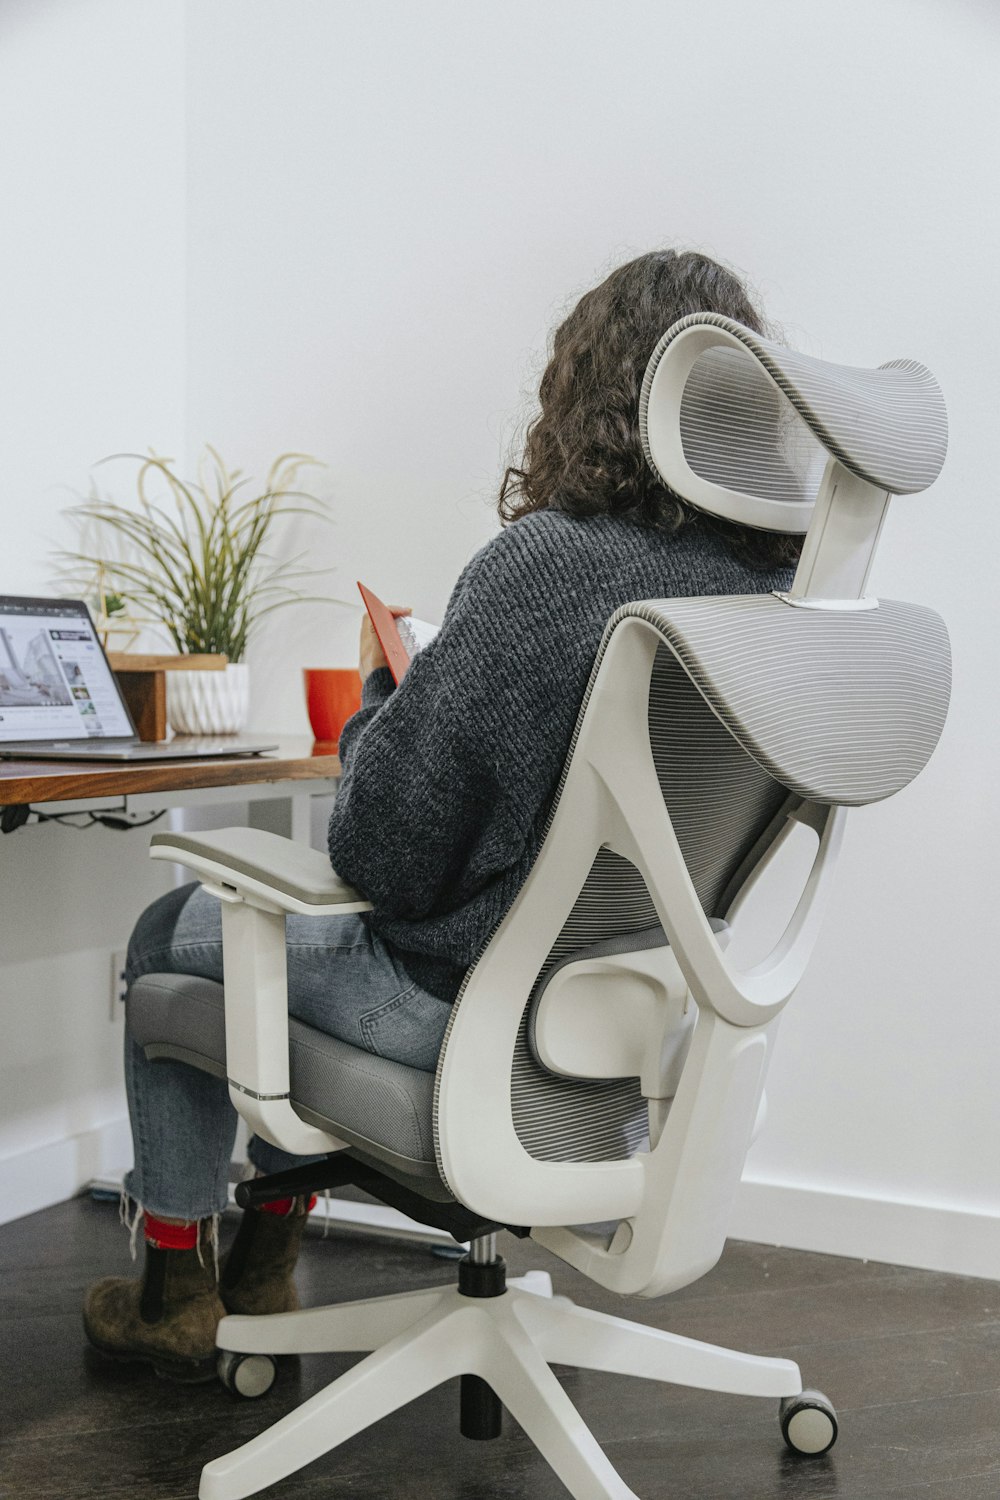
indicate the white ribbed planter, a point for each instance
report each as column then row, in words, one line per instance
column 209, row 702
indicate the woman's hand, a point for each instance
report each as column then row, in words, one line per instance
column 371, row 654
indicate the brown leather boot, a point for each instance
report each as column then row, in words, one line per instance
column 167, row 1319
column 256, row 1273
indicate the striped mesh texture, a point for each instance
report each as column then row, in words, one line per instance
column 751, row 700
column 720, row 802
column 738, row 432
column 888, row 426
column 841, row 707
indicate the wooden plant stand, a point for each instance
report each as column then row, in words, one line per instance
column 143, row 683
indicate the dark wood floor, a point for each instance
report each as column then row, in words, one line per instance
column 911, row 1359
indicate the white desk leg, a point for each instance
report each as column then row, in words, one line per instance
column 288, row 816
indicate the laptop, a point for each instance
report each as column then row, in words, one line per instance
column 59, row 699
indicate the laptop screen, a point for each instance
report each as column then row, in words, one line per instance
column 55, row 682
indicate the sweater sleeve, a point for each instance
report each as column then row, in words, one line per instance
column 422, row 821
column 424, row 815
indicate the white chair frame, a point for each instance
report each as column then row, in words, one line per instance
column 672, row 1201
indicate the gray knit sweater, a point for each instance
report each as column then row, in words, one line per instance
column 448, row 778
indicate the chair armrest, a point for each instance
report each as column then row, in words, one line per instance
column 262, row 867
column 260, row 878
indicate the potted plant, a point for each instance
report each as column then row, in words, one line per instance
column 193, row 564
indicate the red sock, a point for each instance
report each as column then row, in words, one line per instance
column 164, row 1236
column 283, row 1206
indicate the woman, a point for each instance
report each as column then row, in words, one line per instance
column 447, row 782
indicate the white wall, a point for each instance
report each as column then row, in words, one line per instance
column 92, row 332
column 388, row 207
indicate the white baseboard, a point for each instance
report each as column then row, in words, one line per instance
column 44, row 1175
column 931, row 1237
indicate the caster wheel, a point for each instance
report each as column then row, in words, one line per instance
column 808, row 1423
column 246, row 1375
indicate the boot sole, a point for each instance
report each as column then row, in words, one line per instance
column 180, row 1371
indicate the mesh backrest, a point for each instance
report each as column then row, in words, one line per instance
column 839, row 706
column 719, row 799
column 720, row 802
column 571, row 1119
column 738, row 431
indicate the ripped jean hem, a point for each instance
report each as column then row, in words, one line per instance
column 164, row 1209
column 131, row 1213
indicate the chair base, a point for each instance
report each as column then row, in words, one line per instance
column 421, row 1339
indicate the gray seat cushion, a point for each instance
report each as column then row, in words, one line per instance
column 382, row 1108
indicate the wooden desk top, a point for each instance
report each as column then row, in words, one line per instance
column 296, row 759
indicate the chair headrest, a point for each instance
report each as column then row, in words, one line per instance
column 742, row 427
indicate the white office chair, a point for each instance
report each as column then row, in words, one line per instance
column 603, row 1071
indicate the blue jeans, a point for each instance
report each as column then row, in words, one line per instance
column 342, row 979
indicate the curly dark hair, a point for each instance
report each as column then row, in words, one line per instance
column 582, row 451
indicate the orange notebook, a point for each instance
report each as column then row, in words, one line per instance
column 400, row 637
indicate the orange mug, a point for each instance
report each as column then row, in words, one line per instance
column 333, row 694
